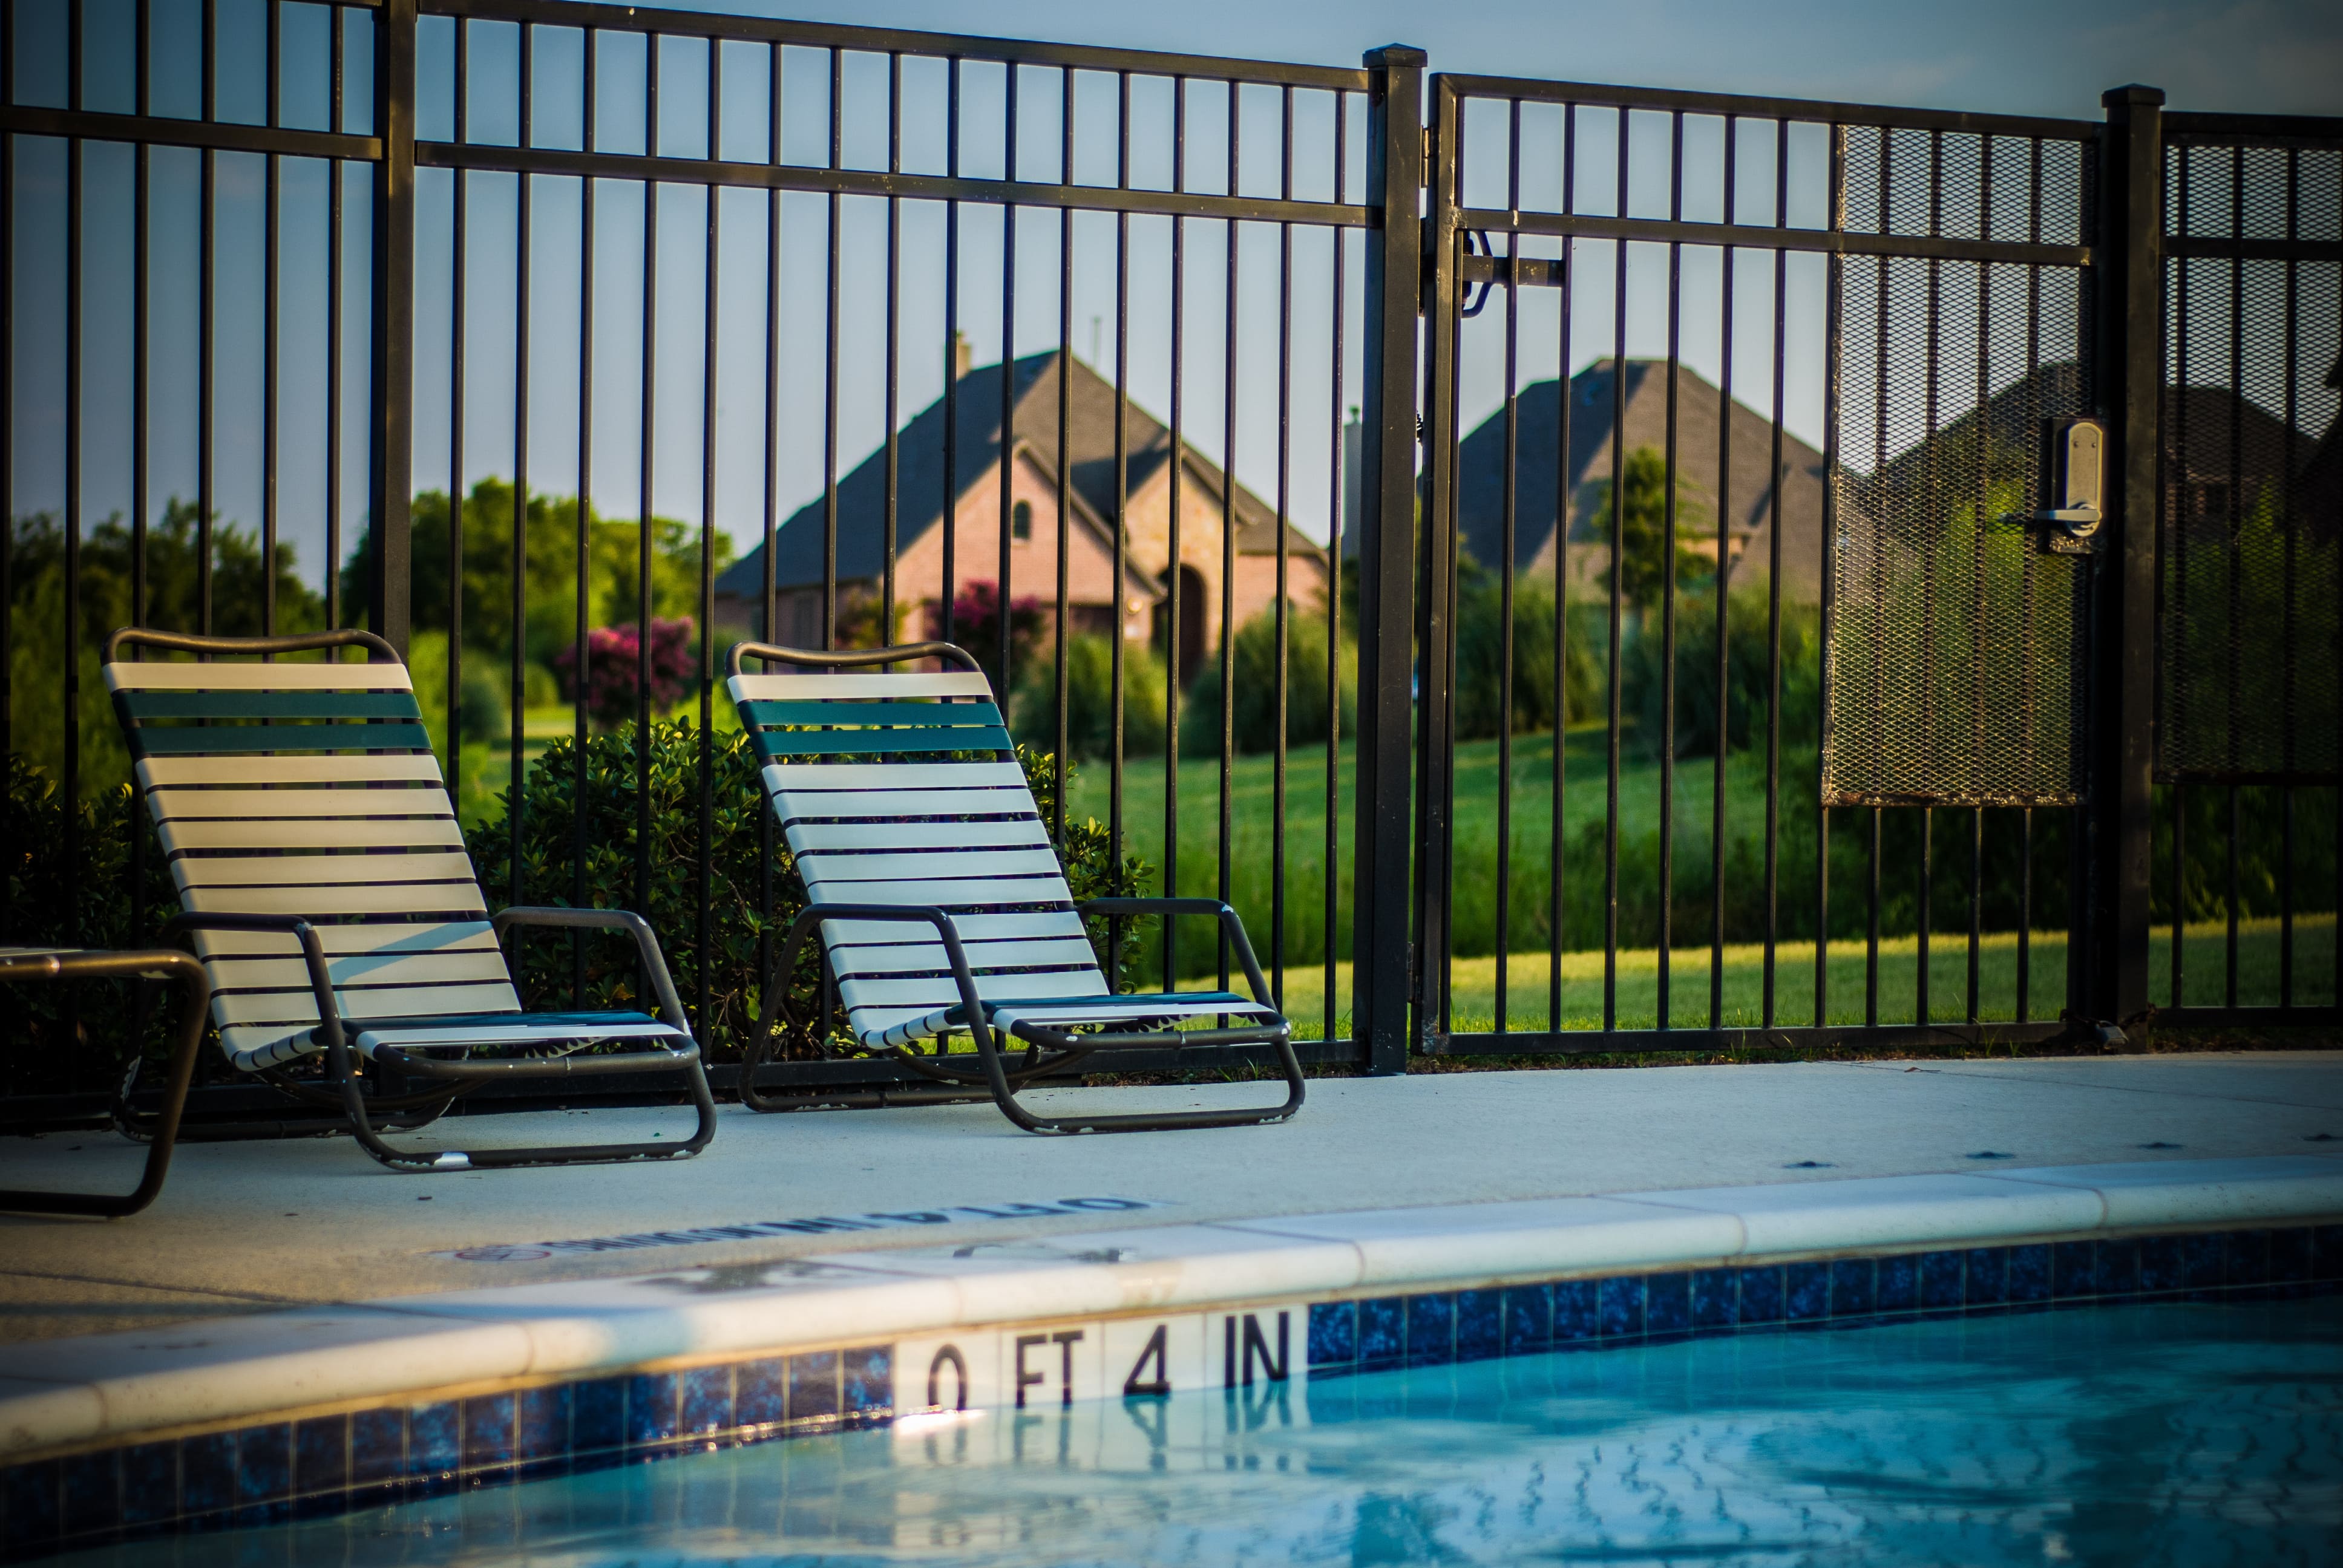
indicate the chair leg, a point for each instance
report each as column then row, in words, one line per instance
column 419, row 1161
column 1004, row 1095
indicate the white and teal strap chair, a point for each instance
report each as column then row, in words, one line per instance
column 322, row 878
column 942, row 906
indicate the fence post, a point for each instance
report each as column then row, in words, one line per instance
column 1383, row 913
column 390, row 418
column 2118, row 833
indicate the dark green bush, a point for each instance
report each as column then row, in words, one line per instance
column 1254, row 677
column 1090, row 686
column 1479, row 657
column 1747, row 656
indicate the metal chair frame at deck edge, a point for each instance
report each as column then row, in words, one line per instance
column 89, row 963
column 457, row 1077
column 1047, row 1051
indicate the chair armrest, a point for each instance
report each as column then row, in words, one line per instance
column 646, row 943
column 1230, row 924
column 812, row 914
column 312, row 956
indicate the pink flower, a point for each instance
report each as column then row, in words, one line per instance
column 613, row 661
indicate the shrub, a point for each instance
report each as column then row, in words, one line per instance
column 1254, row 677
column 1747, row 663
column 1090, row 710
column 1480, row 654
column 614, row 669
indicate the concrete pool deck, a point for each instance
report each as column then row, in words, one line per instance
column 294, row 1330
column 244, row 1228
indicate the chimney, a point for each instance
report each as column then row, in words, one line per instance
column 961, row 352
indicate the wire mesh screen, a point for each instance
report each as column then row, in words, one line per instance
column 1954, row 668
column 2251, row 643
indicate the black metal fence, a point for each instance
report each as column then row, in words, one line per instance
column 1586, row 618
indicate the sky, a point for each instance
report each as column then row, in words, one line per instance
column 2036, row 59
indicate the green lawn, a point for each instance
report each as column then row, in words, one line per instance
column 1473, row 982
column 1252, row 814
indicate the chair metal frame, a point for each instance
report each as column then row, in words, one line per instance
column 1049, row 1051
column 143, row 964
column 343, row 1077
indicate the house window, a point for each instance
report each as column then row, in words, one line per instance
column 1020, row 521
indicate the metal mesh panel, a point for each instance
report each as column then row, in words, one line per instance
column 2252, row 466
column 1953, row 661
column 1959, row 185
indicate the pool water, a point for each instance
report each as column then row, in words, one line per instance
column 2168, row 1433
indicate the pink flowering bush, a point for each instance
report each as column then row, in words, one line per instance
column 613, row 669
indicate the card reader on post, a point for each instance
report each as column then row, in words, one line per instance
column 2074, row 473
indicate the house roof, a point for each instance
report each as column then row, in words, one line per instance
column 1701, row 445
column 918, row 474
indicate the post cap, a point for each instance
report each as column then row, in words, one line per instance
column 1396, row 57
column 2133, row 93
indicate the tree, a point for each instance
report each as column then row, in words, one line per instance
column 1642, row 561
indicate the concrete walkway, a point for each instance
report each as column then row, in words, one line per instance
column 246, row 1226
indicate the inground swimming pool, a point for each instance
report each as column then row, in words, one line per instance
column 2165, row 1433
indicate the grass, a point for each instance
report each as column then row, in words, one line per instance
column 1473, row 982
column 1253, row 879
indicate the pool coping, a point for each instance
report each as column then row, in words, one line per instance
column 702, row 1354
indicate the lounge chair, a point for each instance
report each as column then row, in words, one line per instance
column 161, row 1132
column 905, row 808
column 322, row 879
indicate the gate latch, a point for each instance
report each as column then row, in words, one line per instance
column 2074, row 472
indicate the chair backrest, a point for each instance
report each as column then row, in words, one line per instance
column 905, row 789
column 308, row 790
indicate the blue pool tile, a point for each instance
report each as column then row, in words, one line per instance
column 1988, row 1272
column 1668, row 1303
column 2118, row 1267
column 1943, row 1280
column 1431, row 1329
column 92, row 1489
column 650, row 1408
column 1761, row 1294
column 814, row 1386
column 2029, row 1273
column 488, row 1432
column 378, row 1446
column 1577, row 1312
column 30, row 1505
column 264, row 1464
column 1382, row 1331
column 2162, row 1264
column 2247, row 1259
column 1806, row 1292
column 2326, row 1253
column 1334, row 1333
column 321, row 1456
column 1715, row 1299
column 2289, row 1255
column 867, row 1377
column 761, row 1395
column 1897, row 1287
column 2074, row 1270
column 706, row 1399
column 1529, row 1319
column 1480, row 1325
column 434, row 1440
column 207, row 1472
column 1623, row 1306
column 597, row 1415
column 1852, row 1288
column 150, row 1483
column 2202, row 1258
column 541, row 1425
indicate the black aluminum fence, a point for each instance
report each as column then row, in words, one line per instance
column 564, row 344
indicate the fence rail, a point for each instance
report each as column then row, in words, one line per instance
column 524, row 330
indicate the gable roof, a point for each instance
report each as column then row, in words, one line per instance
column 1481, row 467
column 920, row 477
